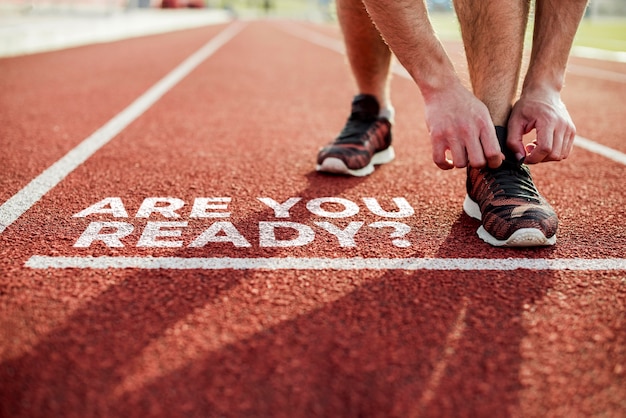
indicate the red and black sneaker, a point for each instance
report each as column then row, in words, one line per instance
column 365, row 141
column 505, row 199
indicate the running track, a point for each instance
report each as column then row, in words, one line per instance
column 213, row 308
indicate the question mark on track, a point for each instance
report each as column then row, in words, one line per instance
column 400, row 230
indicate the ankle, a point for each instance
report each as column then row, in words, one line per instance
column 388, row 112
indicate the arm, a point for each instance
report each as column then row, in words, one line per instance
column 456, row 119
column 540, row 106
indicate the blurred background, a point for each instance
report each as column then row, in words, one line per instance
column 28, row 26
column 247, row 8
column 292, row 8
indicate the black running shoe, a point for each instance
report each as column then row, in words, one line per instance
column 505, row 199
column 365, row 141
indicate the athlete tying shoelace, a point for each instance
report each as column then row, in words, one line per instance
column 482, row 130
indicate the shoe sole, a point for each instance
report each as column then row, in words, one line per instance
column 337, row 166
column 525, row 237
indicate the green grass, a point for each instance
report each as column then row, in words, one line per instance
column 446, row 25
column 297, row 9
column 602, row 33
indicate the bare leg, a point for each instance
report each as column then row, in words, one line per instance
column 540, row 106
column 368, row 55
column 493, row 34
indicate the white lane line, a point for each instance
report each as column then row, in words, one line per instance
column 581, row 70
column 337, row 46
column 600, row 149
column 314, row 37
column 599, row 54
column 292, row 263
column 18, row 204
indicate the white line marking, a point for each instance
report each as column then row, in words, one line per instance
column 598, row 54
column 334, row 45
column 314, row 37
column 17, row 205
column 600, row 149
column 599, row 73
column 337, row 46
column 291, row 263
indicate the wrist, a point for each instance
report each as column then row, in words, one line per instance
column 438, row 84
column 543, row 87
column 544, row 79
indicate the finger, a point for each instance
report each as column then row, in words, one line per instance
column 476, row 157
column 557, row 146
column 439, row 156
column 515, row 137
column 568, row 142
column 459, row 154
column 490, row 148
column 474, row 151
column 543, row 147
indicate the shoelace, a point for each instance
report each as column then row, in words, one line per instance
column 513, row 180
column 354, row 128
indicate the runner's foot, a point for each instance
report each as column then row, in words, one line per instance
column 365, row 141
column 505, row 199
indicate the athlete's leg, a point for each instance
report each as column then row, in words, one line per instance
column 365, row 140
column 511, row 210
column 493, row 35
column 368, row 55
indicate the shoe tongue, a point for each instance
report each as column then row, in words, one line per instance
column 365, row 107
column 501, row 133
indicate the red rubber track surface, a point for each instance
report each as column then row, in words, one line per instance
column 247, row 123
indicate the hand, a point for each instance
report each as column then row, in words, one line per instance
column 460, row 123
column 543, row 111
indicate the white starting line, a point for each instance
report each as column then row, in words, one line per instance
column 357, row 263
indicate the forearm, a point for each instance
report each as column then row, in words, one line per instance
column 556, row 22
column 405, row 26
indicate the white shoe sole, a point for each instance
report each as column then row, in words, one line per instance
column 525, row 237
column 336, row 166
